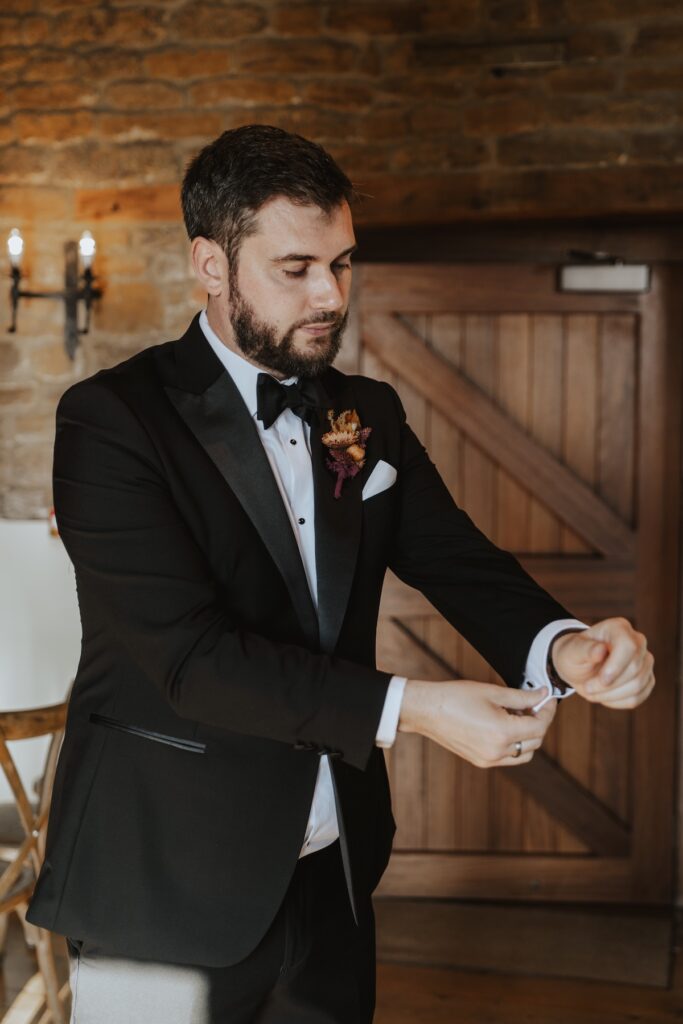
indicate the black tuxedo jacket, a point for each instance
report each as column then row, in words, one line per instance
column 207, row 684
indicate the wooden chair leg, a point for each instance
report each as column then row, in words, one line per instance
column 4, row 922
column 28, row 1003
column 29, row 932
column 46, row 964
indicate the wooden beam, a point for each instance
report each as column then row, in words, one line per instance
column 473, row 412
column 635, row 240
column 625, row 945
column 467, row 288
column 508, row 876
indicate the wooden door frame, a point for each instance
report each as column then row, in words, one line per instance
column 652, row 239
column 658, row 603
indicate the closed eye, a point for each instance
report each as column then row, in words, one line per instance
column 300, row 273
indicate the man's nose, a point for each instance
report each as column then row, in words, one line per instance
column 326, row 293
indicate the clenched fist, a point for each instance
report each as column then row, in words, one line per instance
column 608, row 663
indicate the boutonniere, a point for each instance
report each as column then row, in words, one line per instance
column 345, row 443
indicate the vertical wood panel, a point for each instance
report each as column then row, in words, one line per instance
column 546, row 417
column 513, row 393
column 574, row 720
column 582, row 362
column 612, row 729
column 657, row 612
column 616, row 452
column 545, row 425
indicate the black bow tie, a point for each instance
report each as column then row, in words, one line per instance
column 272, row 397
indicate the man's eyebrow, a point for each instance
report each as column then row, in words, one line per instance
column 296, row 256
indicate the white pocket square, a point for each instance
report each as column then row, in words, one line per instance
column 382, row 476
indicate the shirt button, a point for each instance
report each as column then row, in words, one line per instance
column 301, row 519
column 292, row 440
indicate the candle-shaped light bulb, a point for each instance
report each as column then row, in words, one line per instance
column 15, row 246
column 86, row 247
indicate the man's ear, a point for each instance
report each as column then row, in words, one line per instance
column 210, row 265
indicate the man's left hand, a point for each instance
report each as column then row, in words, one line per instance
column 608, row 663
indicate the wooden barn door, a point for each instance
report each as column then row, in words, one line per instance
column 553, row 419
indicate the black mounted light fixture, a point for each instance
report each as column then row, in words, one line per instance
column 76, row 288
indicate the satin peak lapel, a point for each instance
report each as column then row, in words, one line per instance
column 221, row 423
column 337, row 522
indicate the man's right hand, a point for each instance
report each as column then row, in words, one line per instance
column 477, row 721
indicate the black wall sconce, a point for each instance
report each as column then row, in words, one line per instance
column 76, row 289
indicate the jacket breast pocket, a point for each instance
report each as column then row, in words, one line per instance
column 382, row 477
column 180, row 742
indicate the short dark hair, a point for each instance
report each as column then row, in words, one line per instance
column 229, row 180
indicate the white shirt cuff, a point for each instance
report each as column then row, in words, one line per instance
column 535, row 675
column 388, row 723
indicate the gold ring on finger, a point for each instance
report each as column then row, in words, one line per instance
column 518, row 748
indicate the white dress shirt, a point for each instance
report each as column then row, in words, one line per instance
column 287, row 445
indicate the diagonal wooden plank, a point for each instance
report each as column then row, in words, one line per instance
column 554, row 789
column 473, row 412
column 572, row 804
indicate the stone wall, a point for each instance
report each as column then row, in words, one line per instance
column 439, row 112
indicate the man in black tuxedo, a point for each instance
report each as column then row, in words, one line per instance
column 221, row 812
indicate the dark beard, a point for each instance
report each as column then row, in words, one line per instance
column 259, row 342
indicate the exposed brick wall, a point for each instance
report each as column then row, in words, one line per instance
column 438, row 110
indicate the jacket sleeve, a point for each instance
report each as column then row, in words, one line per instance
column 479, row 588
column 135, row 557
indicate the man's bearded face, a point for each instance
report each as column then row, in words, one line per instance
column 264, row 343
column 288, row 293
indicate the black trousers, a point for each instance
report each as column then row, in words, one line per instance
column 313, row 966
